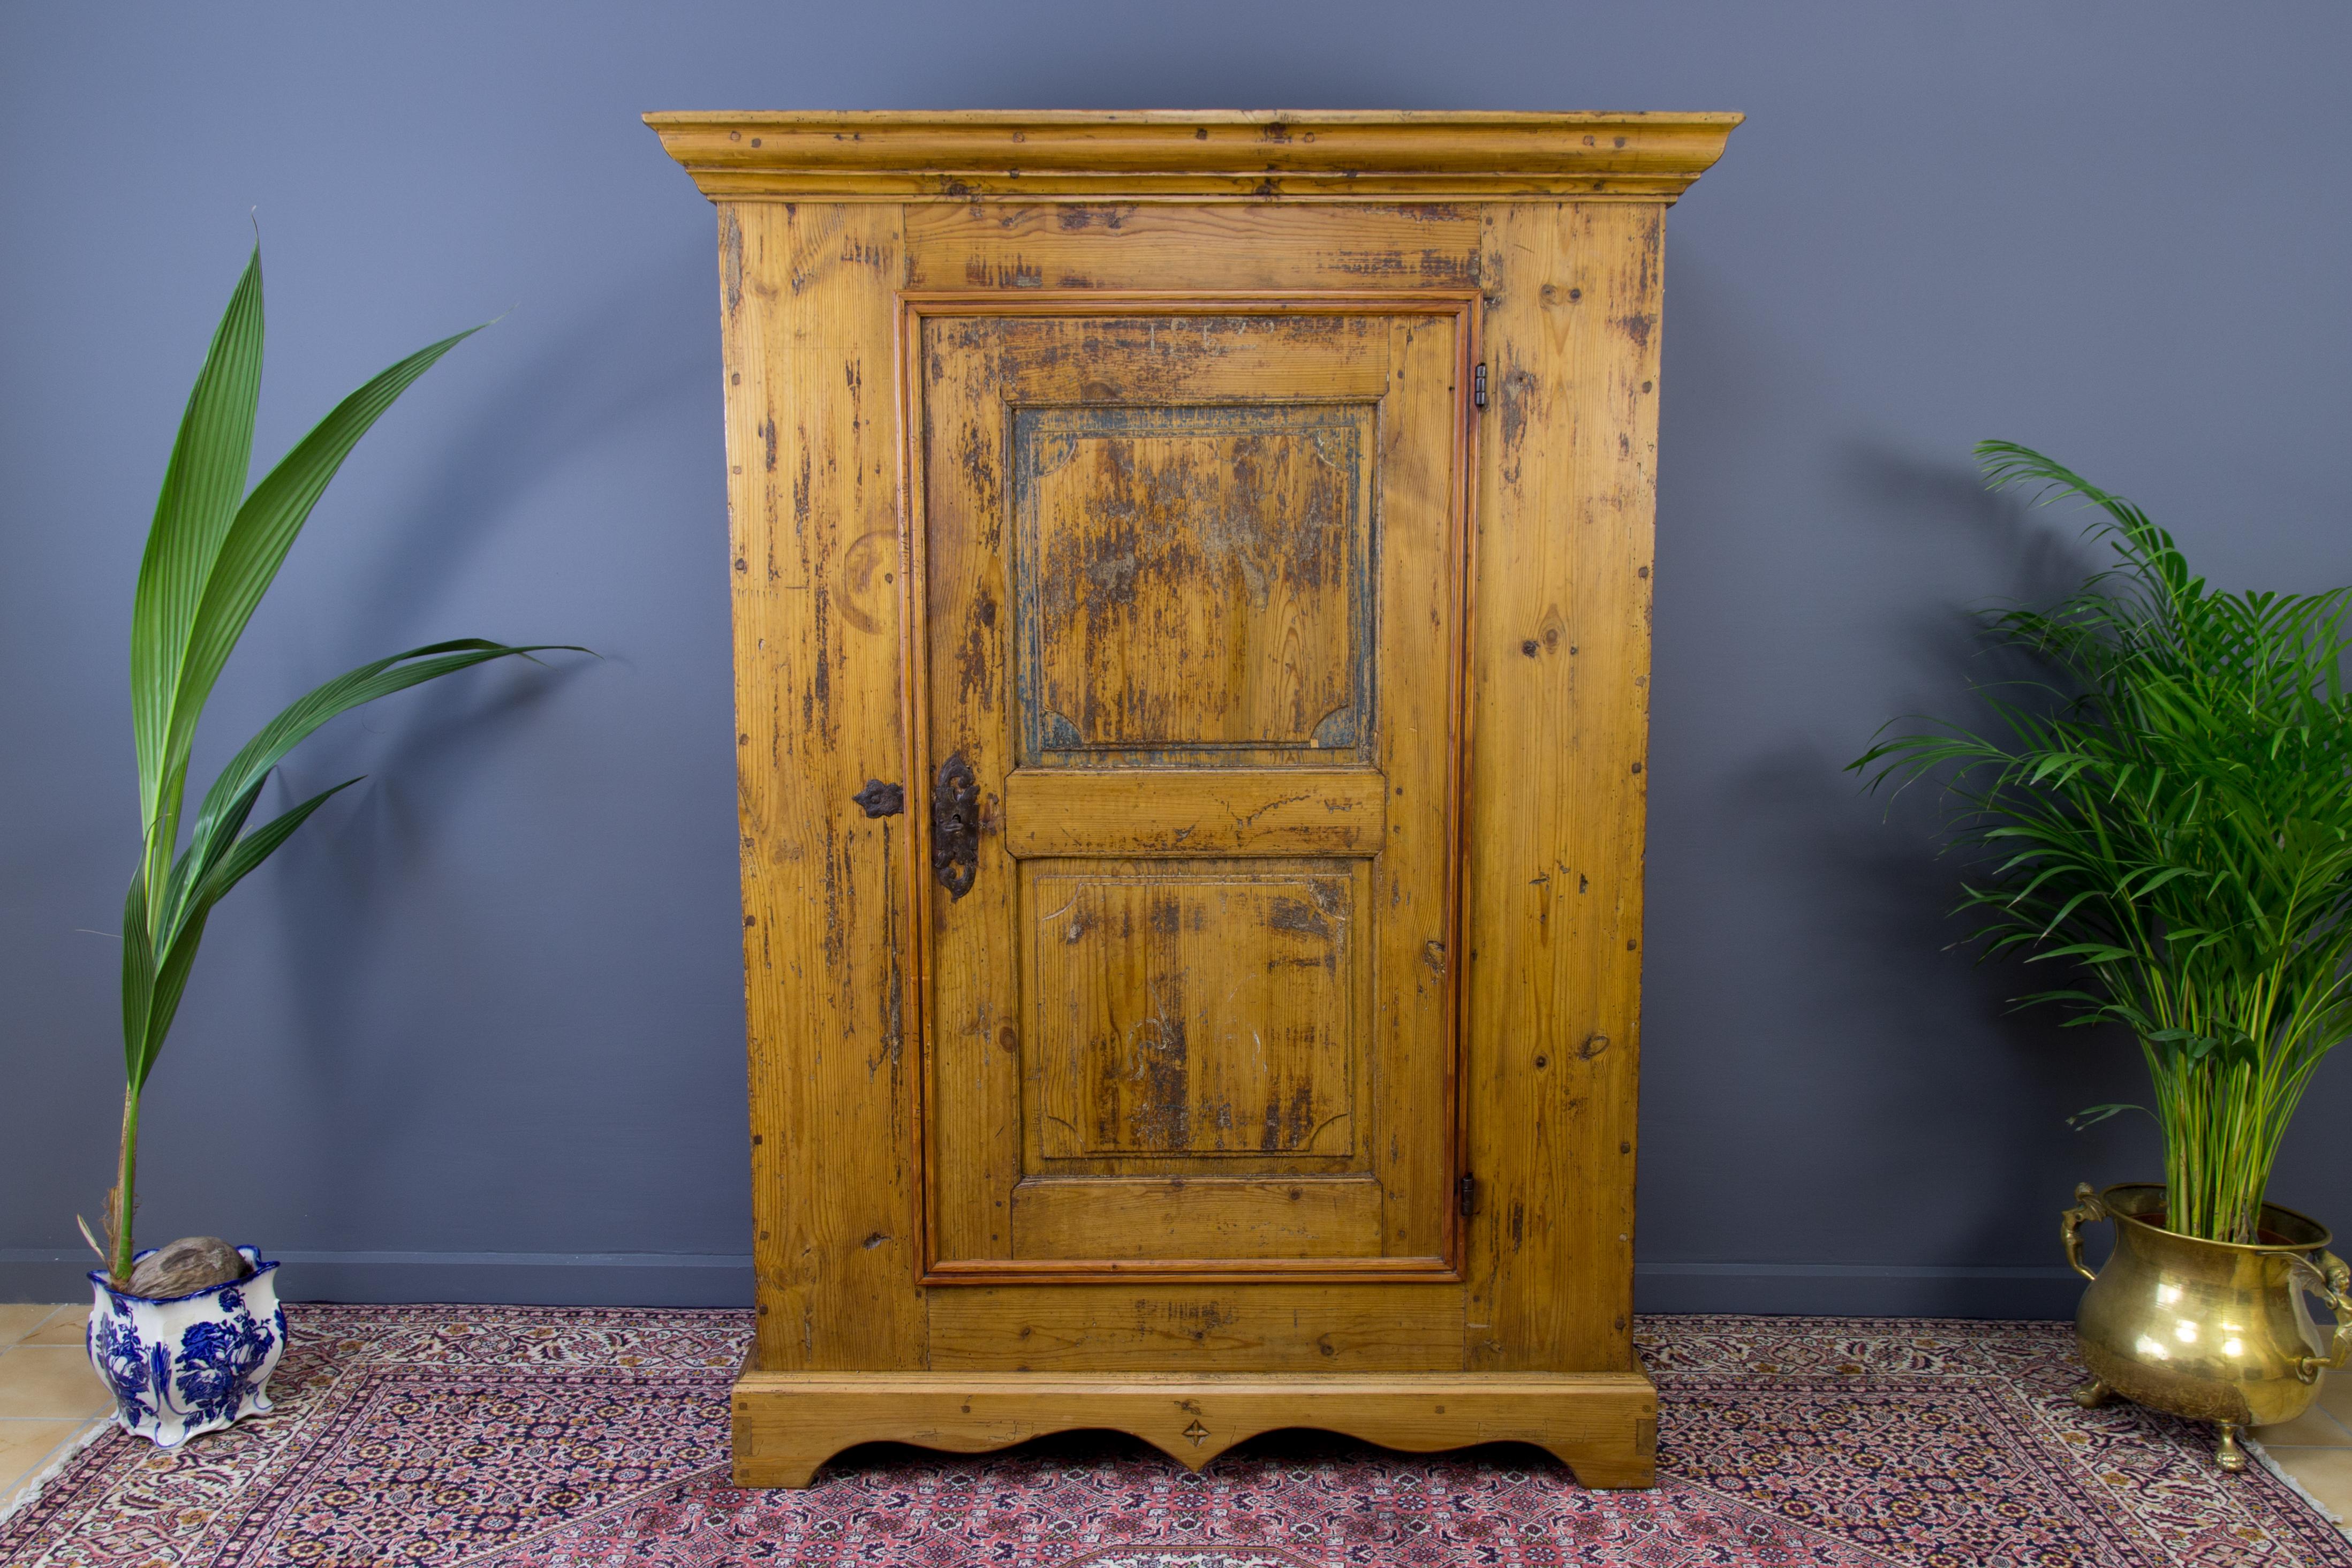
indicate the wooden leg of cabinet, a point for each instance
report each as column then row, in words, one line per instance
column 1603, row 1426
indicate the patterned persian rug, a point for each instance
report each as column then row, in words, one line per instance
column 557, row 1437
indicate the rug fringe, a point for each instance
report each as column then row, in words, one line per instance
column 2296, row 1487
column 62, row 1456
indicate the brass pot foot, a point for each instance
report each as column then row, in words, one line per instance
column 2227, row 1453
column 2091, row 1395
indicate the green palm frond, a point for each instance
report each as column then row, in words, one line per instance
column 2171, row 811
column 212, row 552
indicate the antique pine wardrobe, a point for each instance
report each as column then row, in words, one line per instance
column 1191, row 634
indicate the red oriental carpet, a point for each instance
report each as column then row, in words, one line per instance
column 560, row 1437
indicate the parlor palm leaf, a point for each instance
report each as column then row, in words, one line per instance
column 2169, row 811
column 212, row 552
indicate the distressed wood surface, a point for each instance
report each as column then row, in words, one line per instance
column 1561, row 706
column 1208, row 811
column 1197, row 1216
column 1256, row 155
column 1337, row 1326
column 1225, row 531
column 993, row 244
column 962, row 618
column 807, row 315
column 1187, row 1010
column 1196, row 579
column 1602, row 1427
column 1264, row 735
column 1415, row 1061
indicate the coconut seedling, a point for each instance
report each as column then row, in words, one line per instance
column 212, row 552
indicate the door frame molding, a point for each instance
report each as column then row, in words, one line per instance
column 913, row 308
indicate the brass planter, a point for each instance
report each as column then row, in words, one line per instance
column 2208, row 1330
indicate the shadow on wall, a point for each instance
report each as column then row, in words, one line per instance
column 605, row 373
column 1849, row 963
column 601, row 377
column 1906, row 884
column 446, row 749
column 2045, row 556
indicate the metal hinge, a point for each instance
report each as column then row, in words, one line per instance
column 1479, row 386
column 1465, row 1192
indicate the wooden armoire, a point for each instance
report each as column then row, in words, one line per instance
column 1191, row 603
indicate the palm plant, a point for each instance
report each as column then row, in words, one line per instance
column 2170, row 807
column 212, row 552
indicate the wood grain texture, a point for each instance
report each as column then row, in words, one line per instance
column 1258, row 155
column 1562, row 703
column 1198, row 812
column 1166, row 246
column 1337, row 1327
column 1413, row 1066
column 1183, row 1010
column 1194, row 570
column 1197, row 1216
column 807, row 315
column 1195, row 580
column 1473, row 821
column 1603, row 1426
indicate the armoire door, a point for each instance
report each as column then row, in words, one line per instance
column 1186, row 617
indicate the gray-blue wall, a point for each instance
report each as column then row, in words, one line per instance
column 476, row 1032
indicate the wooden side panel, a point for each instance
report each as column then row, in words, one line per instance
column 1213, row 1216
column 1561, row 685
column 1060, row 246
column 1292, row 1327
column 812, row 494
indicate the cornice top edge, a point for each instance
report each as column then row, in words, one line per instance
column 1002, row 154
column 1186, row 117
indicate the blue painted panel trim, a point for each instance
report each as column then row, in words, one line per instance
column 1041, row 439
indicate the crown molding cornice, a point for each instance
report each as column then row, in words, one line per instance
column 1192, row 155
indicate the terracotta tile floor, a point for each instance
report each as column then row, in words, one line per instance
column 49, row 1397
column 2315, row 1449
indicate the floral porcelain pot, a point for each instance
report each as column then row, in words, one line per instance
column 183, row 1364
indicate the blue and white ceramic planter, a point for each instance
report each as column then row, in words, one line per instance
column 183, row 1364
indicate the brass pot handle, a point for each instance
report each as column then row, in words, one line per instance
column 2331, row 1281
column 2088, row 1208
